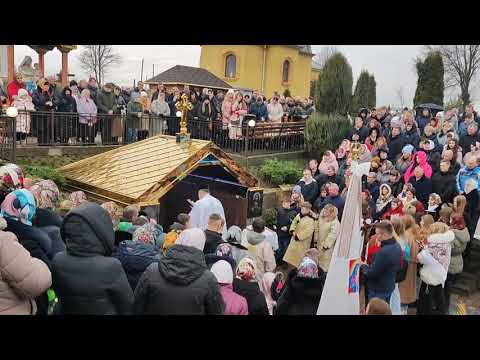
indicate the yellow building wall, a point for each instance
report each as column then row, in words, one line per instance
column 315, row 74
column 300, row 69
column 249, row 63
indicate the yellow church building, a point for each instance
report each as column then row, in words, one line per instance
column 267, row 68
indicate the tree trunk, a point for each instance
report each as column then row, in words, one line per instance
column 465, row 97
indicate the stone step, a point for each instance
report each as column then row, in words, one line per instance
column 464, row 288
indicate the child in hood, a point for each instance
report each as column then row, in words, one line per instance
column 419, row 159
column 23, row 103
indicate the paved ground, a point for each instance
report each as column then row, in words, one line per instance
column 471, row 304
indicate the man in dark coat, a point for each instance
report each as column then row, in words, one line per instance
column 93, row 88
column 373, row 186
column 213, row 234
column 395, row 182
column 180, row 283
column 86, row 278
column 335, row 199
column 381, row 274
column 444, row 182
column 395, row 144
column 471, row 138
column 106, row 104
column 330, row 177
column 359, row 132
column 411, row 135
column 259, row 109
column 422, row 185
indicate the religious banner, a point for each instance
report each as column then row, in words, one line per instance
column 341, row 290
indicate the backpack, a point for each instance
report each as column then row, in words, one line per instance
column 170, row 239
column 404, row 261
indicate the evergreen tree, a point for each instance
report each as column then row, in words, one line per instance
column 334, row 88
column 286, row 93
column 430, row 85
column 362, row 92
column 372, row 92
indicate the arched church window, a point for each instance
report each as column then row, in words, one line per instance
column 230, row 66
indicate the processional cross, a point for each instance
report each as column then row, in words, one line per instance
column 184, row 106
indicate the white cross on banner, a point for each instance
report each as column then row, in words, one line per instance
column 341, row 290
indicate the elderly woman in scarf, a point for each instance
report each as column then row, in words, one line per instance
column 383, row 201
column 327, row 160
column 18, row 209
column 303, row 289
column 87, row 116
column 245, row 284
column 77, row 198
column 384, row 171
column 11, row 178
column 234, row 303
column 137, row 254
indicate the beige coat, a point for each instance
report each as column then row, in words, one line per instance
column 408, row 287
column 22, row 278
column 301, row 240
column 325, row 237
column 261, row 251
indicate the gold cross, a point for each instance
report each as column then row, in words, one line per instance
column 184, row 106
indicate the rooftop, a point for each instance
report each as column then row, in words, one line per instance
column 144, row 171
column 194, row 76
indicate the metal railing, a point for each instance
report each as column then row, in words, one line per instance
column 57, row 128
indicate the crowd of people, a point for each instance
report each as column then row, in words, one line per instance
column 420, row 201
column 103, row 109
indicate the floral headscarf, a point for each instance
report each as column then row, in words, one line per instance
column 307, row 269
column 46, row 194
column 11, row 178
column 246, row 269
column 224, row 250
column 111, row 208
column 19, row 205
column 78, row 198
column 147, row 234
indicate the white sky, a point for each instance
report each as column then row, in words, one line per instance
column 392, row 65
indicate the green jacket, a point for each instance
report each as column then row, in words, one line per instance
column 106, row 101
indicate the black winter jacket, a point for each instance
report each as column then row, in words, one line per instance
column 213, row 239
column 395, row 146
column 423, row 188
column 135, row 257
column 257, row 305
column 301, row 295
column 179, row 284
column 87, row 280
column 444, row 184
column 67, row 104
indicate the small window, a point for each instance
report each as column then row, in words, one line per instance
column 230, row 66
column 286, row 71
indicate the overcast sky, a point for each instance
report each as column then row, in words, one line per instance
column 392, row 65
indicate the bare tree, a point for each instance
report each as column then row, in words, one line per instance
column 323, row 55
column 400, row 96
column 461, row 64
column 98, row 59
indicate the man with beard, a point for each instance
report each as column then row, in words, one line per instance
column 444, row 182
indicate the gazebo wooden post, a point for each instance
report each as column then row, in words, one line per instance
column 41, row 63
column 10, row 62
column 64, row 75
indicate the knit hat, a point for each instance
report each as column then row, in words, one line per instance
column 396, row 122
column 408, row 149
column 297, row 189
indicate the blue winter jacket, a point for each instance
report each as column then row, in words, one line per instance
column 135, row 257
column 259, row 111
column 381, row 274
column 465, row 174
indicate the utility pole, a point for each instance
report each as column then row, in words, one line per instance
column 141, row 76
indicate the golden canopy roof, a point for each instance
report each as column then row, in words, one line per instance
column 142, row 172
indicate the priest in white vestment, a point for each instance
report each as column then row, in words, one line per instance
column 203, row 208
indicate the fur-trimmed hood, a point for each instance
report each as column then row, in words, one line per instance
column 444, row 238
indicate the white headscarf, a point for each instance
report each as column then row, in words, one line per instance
column 223, row 272
column 192, row 237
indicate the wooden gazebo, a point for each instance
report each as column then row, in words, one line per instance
column 41, row 50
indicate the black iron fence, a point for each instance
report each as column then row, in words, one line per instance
column 57, row 128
